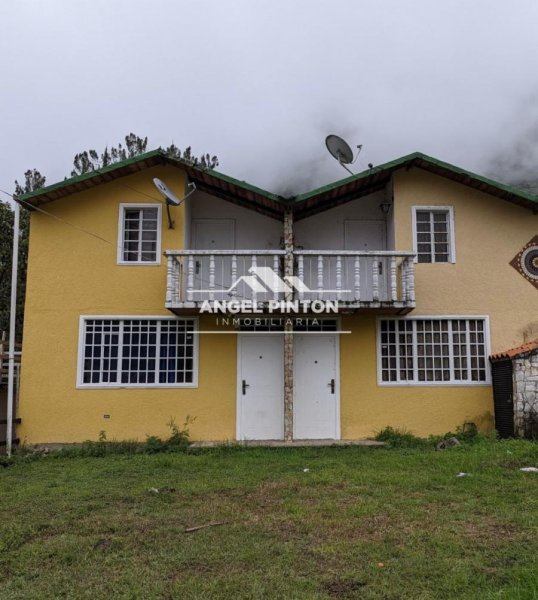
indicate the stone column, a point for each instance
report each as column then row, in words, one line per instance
column 526, row 395
column 288, row 331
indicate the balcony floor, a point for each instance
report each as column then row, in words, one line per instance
column 377, row 308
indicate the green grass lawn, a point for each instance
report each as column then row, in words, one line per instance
column 360, row 523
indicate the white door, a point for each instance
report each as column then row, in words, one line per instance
column 365, row 236
column 316, row 403
column 213, row 234
column 260, row 387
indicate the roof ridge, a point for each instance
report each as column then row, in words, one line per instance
column 409, row 158
column 497, row 188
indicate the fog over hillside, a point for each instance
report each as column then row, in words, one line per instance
column 261, row 84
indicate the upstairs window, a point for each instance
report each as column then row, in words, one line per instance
column 139, row 234
column 434, row 234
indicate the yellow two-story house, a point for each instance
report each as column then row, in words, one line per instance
column 373, row 301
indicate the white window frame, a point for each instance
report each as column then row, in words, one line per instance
column 121, row 229
column 115, row 385
column 451, row 232
column 452, row 382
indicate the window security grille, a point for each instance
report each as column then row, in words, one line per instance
column 138, row 352
column 140, row 234
column 433, row 350
column 433, row 236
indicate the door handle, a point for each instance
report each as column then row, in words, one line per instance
column 197, row 268
column 331, row 385
column 245, row 385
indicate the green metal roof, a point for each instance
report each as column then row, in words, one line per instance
column 310, row 202
column 408, row 160
column 207, row 180
column 139, row 159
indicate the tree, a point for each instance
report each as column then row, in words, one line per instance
column 83, row 162
column 205, row 161
column 33, row 180
column 90, row 160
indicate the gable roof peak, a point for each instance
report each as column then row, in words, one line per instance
column 354, row 186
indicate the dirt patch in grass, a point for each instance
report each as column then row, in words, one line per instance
column 341, row 588
column 489, row 531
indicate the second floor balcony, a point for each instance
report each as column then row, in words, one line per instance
column 381, row 281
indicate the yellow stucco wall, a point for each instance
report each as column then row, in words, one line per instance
column 366, row 407
column 489, row 233
column 71, row 273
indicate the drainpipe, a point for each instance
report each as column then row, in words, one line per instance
column 12, row 316
column 288, row 331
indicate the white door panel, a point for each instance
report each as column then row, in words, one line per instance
column 365, row 236
column 213, row 234
column 316, row 389
column 260, row 387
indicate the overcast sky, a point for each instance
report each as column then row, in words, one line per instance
column 261, row 83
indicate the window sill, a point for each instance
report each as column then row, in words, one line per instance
column 141, row 386
column 139, row 264
column 449, row 262
column 434, row 384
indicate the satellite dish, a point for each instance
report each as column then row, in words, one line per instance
column 171, row 198
column 341, row 150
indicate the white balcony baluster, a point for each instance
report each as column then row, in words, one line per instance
column 338, row 277
column 300, row 274
column 320, row 276
column 253, row 265
column 404, row 271
column 411, row 288
column 234, row 274
column 357, row 275
column 190, row 278
column 393, row 283
column 169, row 279
column 177, row 277
column 211, row 276
column 375, row 280
column 276, row 270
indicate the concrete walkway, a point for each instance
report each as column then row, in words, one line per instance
column 291, row 444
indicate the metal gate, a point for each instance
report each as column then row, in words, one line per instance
column 503, row 397
column 3, row 390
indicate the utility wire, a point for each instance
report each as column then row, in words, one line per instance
column 77, row 227
column 102, row 239
column 141, row 192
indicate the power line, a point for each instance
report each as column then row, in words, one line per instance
column 77, row 227
column 141, row 192
column 29, row 206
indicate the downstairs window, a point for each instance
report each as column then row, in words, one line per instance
column 432, row 351
column 137, row 352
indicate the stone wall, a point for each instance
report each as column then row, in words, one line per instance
column 526, row 394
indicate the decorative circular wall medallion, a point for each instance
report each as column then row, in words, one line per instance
column 529, row 262
column 526, row 261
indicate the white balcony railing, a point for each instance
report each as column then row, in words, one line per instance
column 198, row 275
column 368, row 278
column 356, row 279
